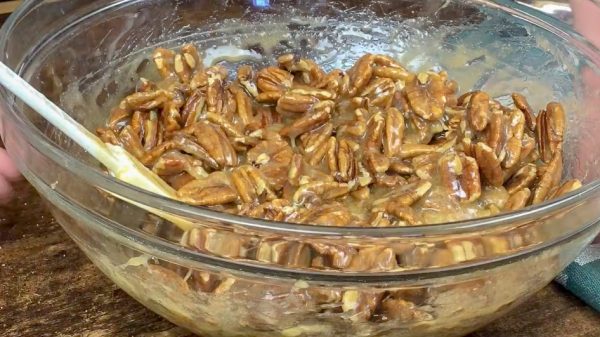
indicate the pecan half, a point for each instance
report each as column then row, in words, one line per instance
column 374, row 259
column 215, row 189
column 275, row 210
column 324, row 215
column 321, row 114
column 523, row 178
column 489, row 164
column 215, row 91
column 380, row 92
column 567, row 187
column 322, row 190
column 174, row 162
column 245, row 76
column 249, row 189
column 398, row 202
column 212, row 138
column 360, row 305
column 361, row 74
column 394, row 133
column 285, row 253
column 522, row 104
column 460, row 175
column 550, row 130
column 550, row 178
column 296, row 103
column 191, row 56
column 518, row 200
column 342, row 162
column 273, row 79
column 392, row 73
column 273, row 158
column 163, row 60
column 478, row 110
column 426, row 95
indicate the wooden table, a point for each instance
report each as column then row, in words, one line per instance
column 49, row 288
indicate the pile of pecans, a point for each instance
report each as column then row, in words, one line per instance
column 374, row 146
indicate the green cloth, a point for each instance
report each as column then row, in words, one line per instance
column 582, row 277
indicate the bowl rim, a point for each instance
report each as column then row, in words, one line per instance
column 94, row 176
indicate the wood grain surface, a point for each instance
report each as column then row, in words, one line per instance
column 8, row 6
column 49, row 288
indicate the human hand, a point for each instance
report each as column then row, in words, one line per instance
column 586, row 20
column 8, row 174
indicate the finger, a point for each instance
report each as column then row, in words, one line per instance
column 586, row 14
column 586, row 146
column 6, row 191
column 7, row 168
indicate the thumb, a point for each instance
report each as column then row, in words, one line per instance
column 7, row 168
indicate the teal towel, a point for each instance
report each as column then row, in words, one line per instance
column 582, row 277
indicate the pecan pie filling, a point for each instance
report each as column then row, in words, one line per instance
column 372, row 146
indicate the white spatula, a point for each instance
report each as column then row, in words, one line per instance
column 118, row 161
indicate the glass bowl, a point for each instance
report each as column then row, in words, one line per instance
column 234, row 276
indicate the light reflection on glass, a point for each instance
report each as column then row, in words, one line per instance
column 260, row 3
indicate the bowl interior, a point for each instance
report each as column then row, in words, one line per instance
column 90, row 57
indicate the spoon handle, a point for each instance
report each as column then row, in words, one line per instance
column 56, row 116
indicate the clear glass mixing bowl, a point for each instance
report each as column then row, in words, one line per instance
column 451, row 278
